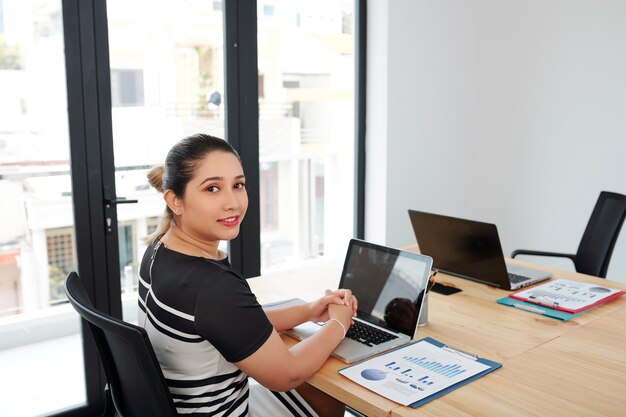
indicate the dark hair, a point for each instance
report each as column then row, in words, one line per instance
column 180, row 165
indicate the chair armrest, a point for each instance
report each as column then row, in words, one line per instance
column 540, row 253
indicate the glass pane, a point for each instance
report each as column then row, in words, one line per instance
column 40, row 342
column 167, row 82
column 306, row 105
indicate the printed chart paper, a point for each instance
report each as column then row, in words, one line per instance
column 414, row 372
column 566, row 295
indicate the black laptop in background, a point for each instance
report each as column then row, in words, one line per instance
column 469, row 249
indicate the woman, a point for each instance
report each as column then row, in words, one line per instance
column 207, row 328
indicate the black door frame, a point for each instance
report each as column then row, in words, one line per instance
column 91, row 159
column 242, row 123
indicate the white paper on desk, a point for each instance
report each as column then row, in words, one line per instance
column 414, row 372
column 566, row 294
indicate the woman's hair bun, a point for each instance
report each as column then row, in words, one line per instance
column 155, row 177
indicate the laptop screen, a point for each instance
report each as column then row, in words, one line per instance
column 390, row 284
column 461, row 247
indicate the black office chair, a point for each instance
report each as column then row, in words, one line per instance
column 134, row 378
column 596, row 246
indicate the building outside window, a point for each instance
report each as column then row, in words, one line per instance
column 126, row 87
column 306, row 131
column 61, row 260
column 40, row 343
column 1, row 17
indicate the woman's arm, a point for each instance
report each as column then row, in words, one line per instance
column 280, row 369
column 289, row 317
column 229, row 317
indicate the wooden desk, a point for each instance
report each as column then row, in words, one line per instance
column 580, row 373
column 472, row 320
column 549, row 367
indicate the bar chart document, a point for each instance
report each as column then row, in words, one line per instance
column 566, row 295
column 418, row 372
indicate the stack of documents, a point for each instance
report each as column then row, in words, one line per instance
column 561, row 299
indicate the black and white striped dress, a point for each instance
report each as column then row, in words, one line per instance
column 201, row 316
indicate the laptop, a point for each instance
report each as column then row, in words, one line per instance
column 469, row 249
column 390, row 285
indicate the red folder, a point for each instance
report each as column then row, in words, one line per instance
column 526, row 295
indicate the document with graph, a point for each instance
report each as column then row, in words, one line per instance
column 569, row 296
column 419, row 372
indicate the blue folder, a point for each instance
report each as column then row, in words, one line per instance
column 491, row 364
column 538, row 309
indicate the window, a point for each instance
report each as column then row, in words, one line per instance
column 10, row 282
column 126, row 88
column 270, row 211
column 1, row 16
column 128, row 260
column 306, row 132
column 151, row 225
column 60, row 244
column 40, row 342
column 61, row 260
column 174, row 89
column 347, row 20
column 291, row 84
column 268, row 10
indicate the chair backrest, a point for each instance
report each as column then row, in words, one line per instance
column 133, row 372
column 598, row 241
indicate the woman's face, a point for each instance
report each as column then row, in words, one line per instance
column 215, row 200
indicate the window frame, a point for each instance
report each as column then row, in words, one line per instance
column 242, row 123
column 91, row 160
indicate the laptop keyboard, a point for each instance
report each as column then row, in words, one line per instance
column 368, row 335
column 516, row 279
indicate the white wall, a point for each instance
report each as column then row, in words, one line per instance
column 510, row 112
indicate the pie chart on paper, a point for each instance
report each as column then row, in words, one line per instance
column 373, row 374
